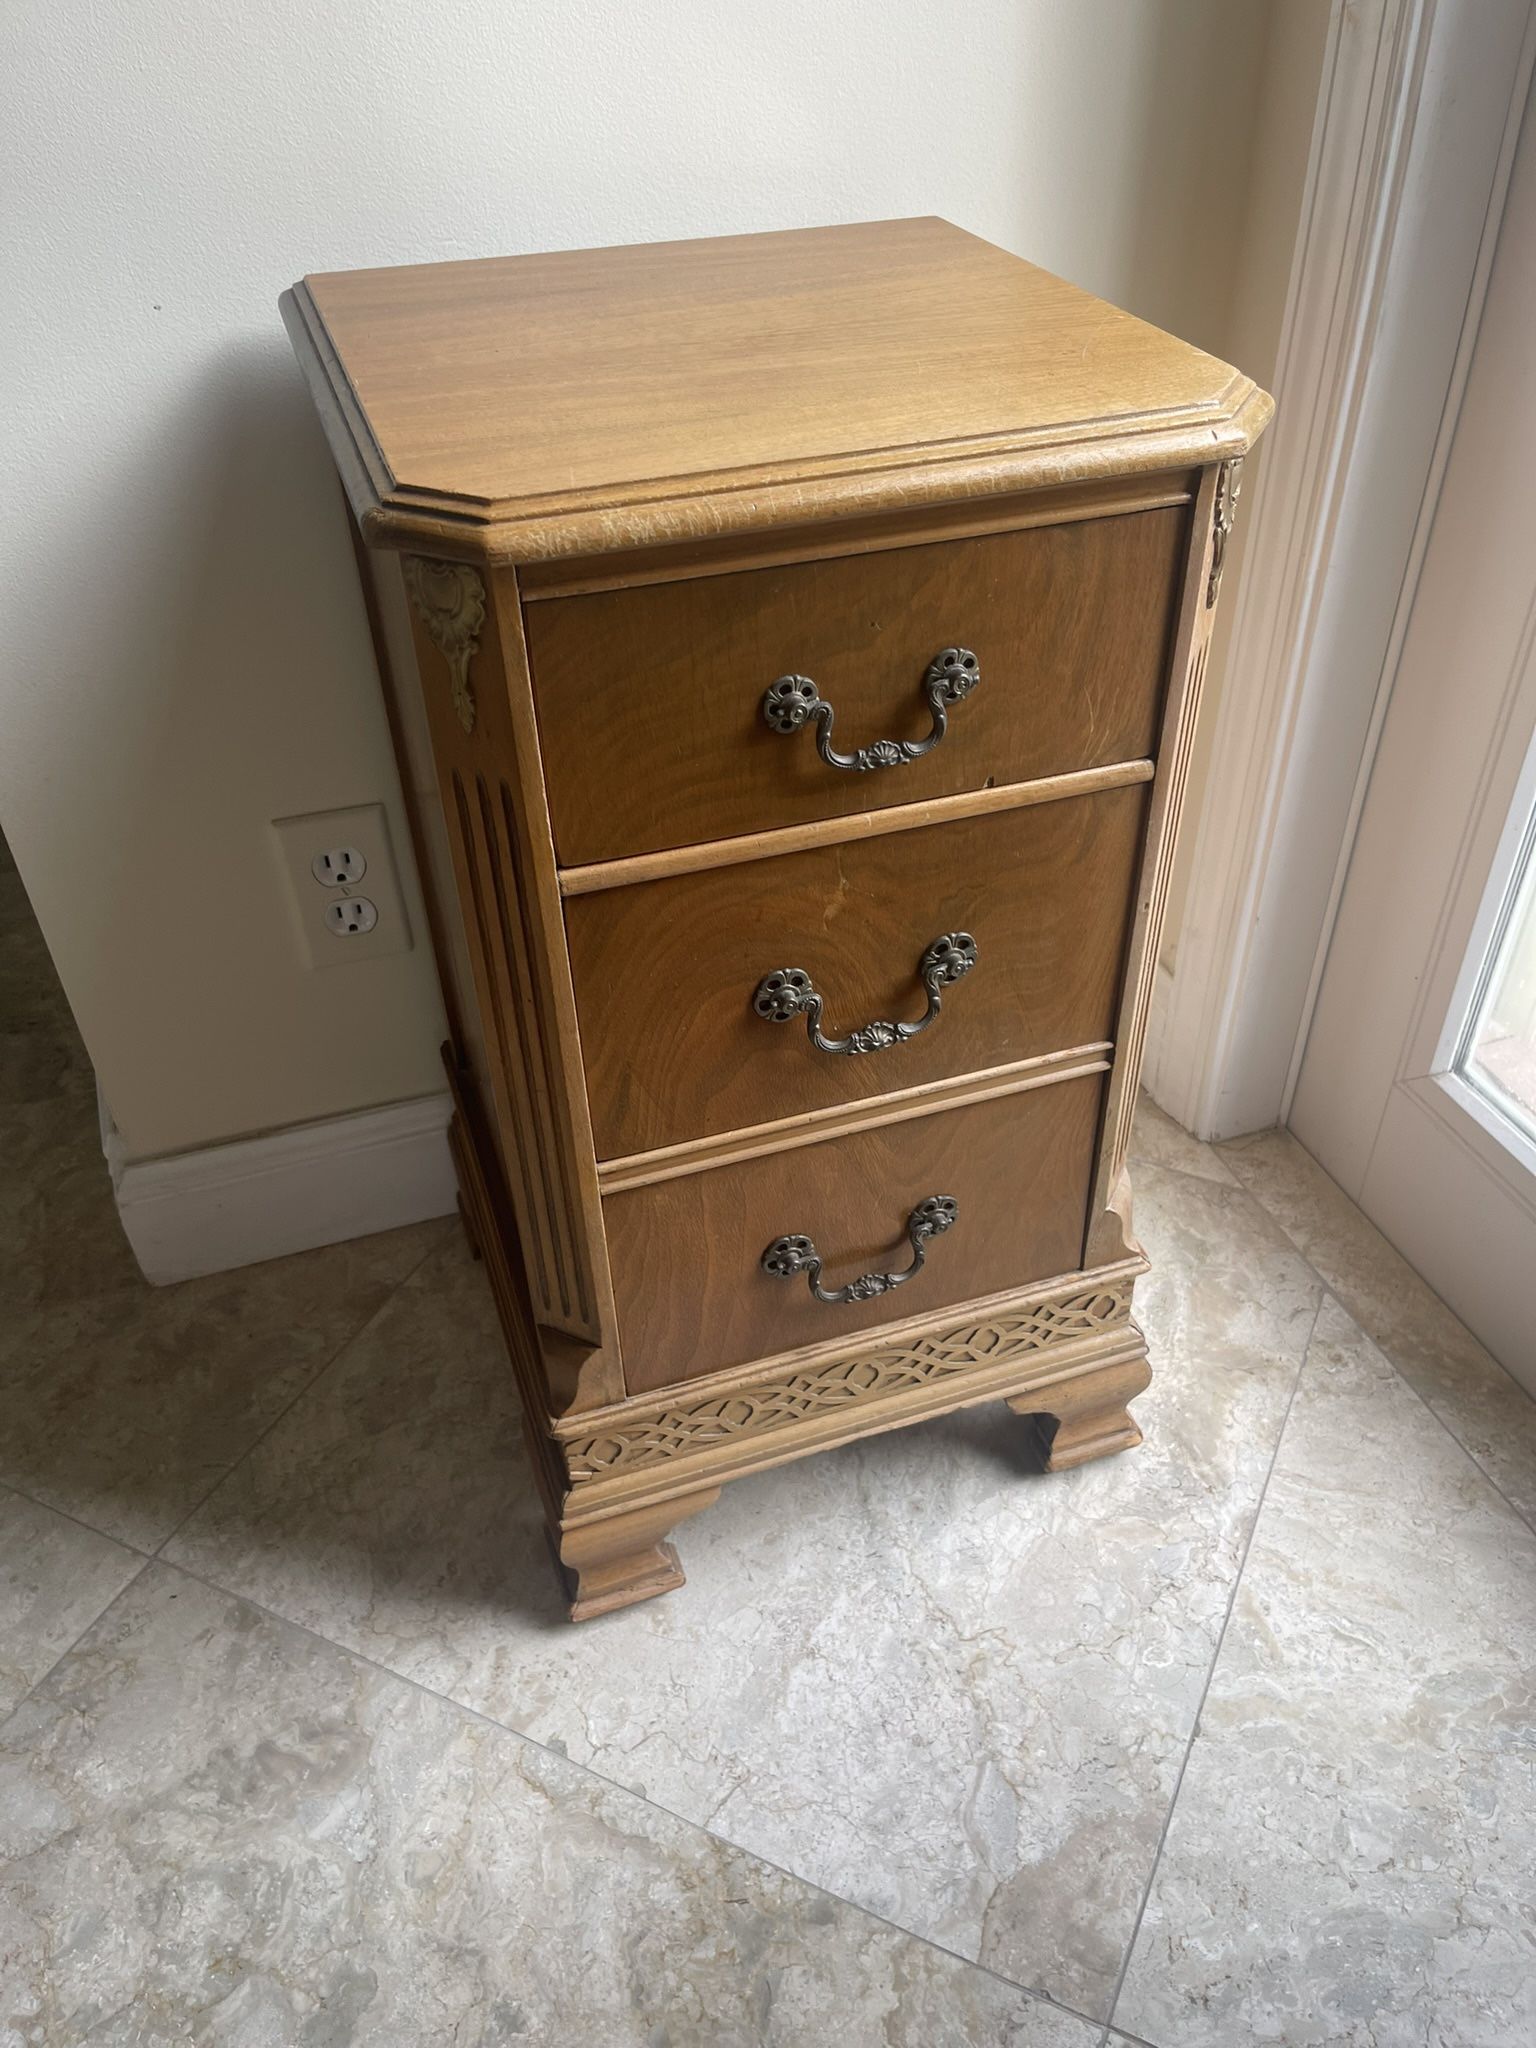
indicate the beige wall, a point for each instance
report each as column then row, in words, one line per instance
column 184, row 656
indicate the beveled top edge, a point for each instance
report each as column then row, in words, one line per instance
column 669, row 510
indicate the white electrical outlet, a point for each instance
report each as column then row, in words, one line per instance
column 350, row 916
column 339, row 867
column 325, row 857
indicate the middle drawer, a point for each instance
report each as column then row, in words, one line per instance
column 667, row 972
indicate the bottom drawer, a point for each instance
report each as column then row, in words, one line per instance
column 686, row 1254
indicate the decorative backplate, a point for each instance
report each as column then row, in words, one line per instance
column 450, row 602
column 683, row 1428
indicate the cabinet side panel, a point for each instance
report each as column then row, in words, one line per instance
column 1109, row 1219
column 490, row 947
column 389, row 621
column 556, row 1074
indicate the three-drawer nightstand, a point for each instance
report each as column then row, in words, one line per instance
column 792, row 645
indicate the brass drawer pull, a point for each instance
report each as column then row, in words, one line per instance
column 787, row 1256
column 949, row 677
column 789, row 992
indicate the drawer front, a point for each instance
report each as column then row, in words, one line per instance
column 690, row 1288
column 666, row 972
column 650, row 700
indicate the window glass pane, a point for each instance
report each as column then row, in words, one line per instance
column 1499, row 1051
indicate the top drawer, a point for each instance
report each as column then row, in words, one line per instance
column 650, row 699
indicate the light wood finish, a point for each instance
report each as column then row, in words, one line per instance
column 511, row 966
column 665, row 974
column 626, row 1557
column 650, row 699
column 1067, row 1331
column 631, row 488
column 1078, row 1420
column 685, row 1253
column 643, row 1169
column 669, row 390
column 725, row 555
column 729, row 853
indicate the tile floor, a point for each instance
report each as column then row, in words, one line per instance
column 1225, row 1741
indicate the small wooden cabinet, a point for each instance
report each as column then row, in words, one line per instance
column 792, row 645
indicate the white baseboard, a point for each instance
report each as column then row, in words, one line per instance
column 261, row 1198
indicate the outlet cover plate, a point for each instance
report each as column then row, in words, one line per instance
column 365, row 827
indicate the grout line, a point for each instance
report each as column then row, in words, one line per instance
column 1525, row 1520
column 148, row 1557
column 1201, row 1180
column 614, row 1785
column 1205, row 1690
column 332, row 1358
column 64, row 1515
column 1282, row 1131
column 1336, row 1296
column 70, row 1648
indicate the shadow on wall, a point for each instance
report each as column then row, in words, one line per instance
column 218, row 655
column 1181, row 265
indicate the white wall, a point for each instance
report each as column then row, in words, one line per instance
column 184, row 657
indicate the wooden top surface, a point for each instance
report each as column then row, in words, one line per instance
column 528, row 406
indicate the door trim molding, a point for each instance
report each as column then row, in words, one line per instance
column 1392, row 183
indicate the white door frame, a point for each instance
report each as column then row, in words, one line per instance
column 1418, row 111
column 1433, row 1162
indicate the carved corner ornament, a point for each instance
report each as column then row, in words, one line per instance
column 450, row 602
column 1228, row 484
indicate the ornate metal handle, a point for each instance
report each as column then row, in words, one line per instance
column 787, row 1256
column 789, row 992
column 791, row 700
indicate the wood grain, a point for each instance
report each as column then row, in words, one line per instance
column 589, row 400
column 724, row 554
column 665, row 974
column 649, row 700
column 699, row 1155
column 941, row 810
column 692, row 1297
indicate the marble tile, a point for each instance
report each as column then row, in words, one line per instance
column 124, row 1405
column 59, row 1226
column 40, row 1050
column 121, row 1403
column 909, row 1671
column 1156, row 1140
column 1351, row 1855
column 55, row 1578
column 1437, row 1354
column 220, row 1830
column 58, row 1222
